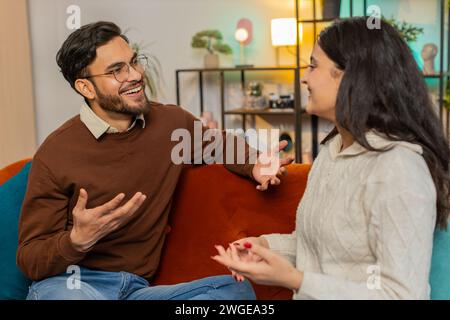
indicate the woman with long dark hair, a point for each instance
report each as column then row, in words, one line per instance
column 379, row 187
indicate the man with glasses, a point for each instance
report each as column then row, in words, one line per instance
column 100, row 186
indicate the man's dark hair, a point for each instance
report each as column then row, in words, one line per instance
column 79, row 49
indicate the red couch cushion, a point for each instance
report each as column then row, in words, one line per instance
column 213, row 206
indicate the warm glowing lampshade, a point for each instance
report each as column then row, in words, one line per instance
column 241, row 35
column 284, row 32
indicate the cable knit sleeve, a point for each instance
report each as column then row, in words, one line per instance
column 283, row 244
column 400, row 201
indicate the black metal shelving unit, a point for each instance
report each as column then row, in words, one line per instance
column 443, row 74
column 245, row 112
column 447, row 86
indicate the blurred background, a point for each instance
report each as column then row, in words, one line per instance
column 234, row 63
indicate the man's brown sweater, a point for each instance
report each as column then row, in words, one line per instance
column 72, row 158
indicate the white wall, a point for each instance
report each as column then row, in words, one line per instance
column 17, row 121
column 166, row 25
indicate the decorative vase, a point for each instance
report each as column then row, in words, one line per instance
column 211, row 61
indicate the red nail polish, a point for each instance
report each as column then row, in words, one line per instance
column 248, row 245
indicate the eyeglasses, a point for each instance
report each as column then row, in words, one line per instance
column 122, row 71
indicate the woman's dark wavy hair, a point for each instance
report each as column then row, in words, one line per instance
column 80, row 49
column 383, row 89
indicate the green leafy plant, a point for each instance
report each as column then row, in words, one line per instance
column 408, row 31
column 211, row 40
column 153, row 71
column 447, row 96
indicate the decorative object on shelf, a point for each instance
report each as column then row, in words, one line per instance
column 288, row 137
column 331, row 9
column 153, row 71
column 212, row 41
column 243, row 35
column 429, row 53
column 273, row 98
column 281, row 101
column 254, row 98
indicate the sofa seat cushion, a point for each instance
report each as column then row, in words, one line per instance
column 13, row 284
column 213, row 206
column 440, row 266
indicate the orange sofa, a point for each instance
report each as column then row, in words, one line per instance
column 213, row 206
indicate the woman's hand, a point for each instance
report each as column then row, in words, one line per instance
column 253, row 240
column 243, row 252
column 271, row 269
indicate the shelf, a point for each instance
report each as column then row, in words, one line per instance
column 267, row 111
column 317, row 20
column 239, row 69
column 434, row 76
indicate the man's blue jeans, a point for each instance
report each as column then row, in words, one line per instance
column 101, row 285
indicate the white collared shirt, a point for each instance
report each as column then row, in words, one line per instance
column 97, row 126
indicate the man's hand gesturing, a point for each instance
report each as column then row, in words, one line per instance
column 90, row 225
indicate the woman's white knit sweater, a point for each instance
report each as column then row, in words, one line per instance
column 364, row 227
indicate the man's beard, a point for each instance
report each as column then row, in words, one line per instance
column 117, row 104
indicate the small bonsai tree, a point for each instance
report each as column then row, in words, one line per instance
column 212, row 41
column 409, row 32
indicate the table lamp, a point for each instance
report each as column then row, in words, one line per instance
column 284, row 34
column 243, row 35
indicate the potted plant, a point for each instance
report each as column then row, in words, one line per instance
column 212, row 41
column 153, row 71
column 408, row 31
column 447, row 96
column 446, row 103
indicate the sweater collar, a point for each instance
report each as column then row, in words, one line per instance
column 97, row 126
column 375, row 139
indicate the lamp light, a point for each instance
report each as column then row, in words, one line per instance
column 243, row 35
column 284, row 32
